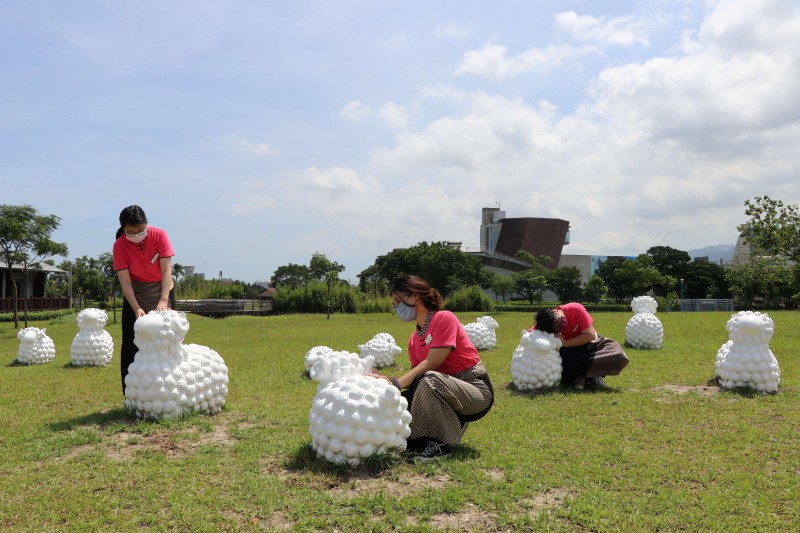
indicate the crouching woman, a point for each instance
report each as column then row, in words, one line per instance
column 447, row 386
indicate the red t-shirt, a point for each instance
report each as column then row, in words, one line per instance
column 578, row 319
column 142, row 259
column 444, row 330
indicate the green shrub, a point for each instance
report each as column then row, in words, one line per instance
column 36, row 316
column 470, row 298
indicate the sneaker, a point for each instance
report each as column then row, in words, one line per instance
column 432, row 452
column 600, row 384
column 579, row 384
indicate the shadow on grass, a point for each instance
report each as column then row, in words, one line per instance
column 305, row 459
column 16, row 362
column 559, row 389
column 100, row 418
column 744, row 392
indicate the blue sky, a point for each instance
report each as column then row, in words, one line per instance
column 257, row 133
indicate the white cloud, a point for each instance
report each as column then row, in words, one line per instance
column 356, row 111
column 337, row 180
column 259, row 149
column 492, row 61
column 393, row 114
column 453, row 30
column 245, row 203
column 623, row 31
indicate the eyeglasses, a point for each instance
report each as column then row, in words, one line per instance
column 140, row 234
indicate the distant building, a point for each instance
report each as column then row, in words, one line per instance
column 37, row 280
column 501, row 237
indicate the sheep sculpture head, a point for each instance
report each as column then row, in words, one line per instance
column 482, row 332
column 383, row 348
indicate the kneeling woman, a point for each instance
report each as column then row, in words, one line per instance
column 447, row 386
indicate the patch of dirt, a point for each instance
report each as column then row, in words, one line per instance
column 471, row 518
column 123, row 445
column 358, row 482
column 542, row 501
column 702, row 390
column 398, row 486
column 496, row 474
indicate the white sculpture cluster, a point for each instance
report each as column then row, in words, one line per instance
column 482, row 332
column 746, row 359
column 354, row 416
column 35, row 347
column 536, row 363
column 168, row 378
column 383, row 348
column 92, row 346
column 644, row 330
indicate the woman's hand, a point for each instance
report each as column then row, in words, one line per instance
column 140, row 313
column 163, row 305
column 379, row 376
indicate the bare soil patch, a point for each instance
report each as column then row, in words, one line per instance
column 123, row 445
column 542, row 501
column 471, row 518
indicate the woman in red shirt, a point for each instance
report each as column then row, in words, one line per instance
column 573, row 324
column 143, row 262
column 447, row 386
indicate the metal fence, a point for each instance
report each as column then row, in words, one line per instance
column 706, row 304
column 221, row 308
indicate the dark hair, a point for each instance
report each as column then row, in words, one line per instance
column 546, row 321
column 431, row 298
column 132, row 215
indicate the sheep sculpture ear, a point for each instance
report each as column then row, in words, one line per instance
column 179, row 325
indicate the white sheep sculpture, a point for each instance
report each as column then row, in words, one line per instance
column 746, row 361
column 168, row 378
column 536, row 363
column 35, row 347
column 354, row 416
column 482, row 332
column 382, row 347
column 92, row 346
column 644, row 330
column 315, row 354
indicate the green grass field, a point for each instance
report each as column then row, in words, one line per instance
column 663, row 451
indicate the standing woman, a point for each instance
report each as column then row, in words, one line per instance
column 447, row 386
column 143, row 262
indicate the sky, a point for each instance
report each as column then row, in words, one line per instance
column 257, row 133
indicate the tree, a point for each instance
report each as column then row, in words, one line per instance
column 25, row 240
column 291, row 276
column 607, row 272
column 533, row 281
column 669, row 261
column 765, row 277
column 502, row 285
column 704, row 279
column 177, row 272
column 595, row 289
column 566, row 283
column 443, row 266
column 320, row 267
column 773, row 228
column 634, row 277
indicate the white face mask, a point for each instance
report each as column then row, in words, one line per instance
column 137, row 237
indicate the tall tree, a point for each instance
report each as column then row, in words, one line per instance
column 25, row 241
column 290, row 276
column 532, row 283
column 773, row 228
column 595, row 289
column 503, row 285
column 566, row 283
column 670, row 261
column 320, row 266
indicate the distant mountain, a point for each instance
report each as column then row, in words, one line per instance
column 714, row 253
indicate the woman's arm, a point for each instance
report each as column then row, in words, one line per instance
column 436, row 357
column 166, row 283
column 127, row 289
column 587, row 335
